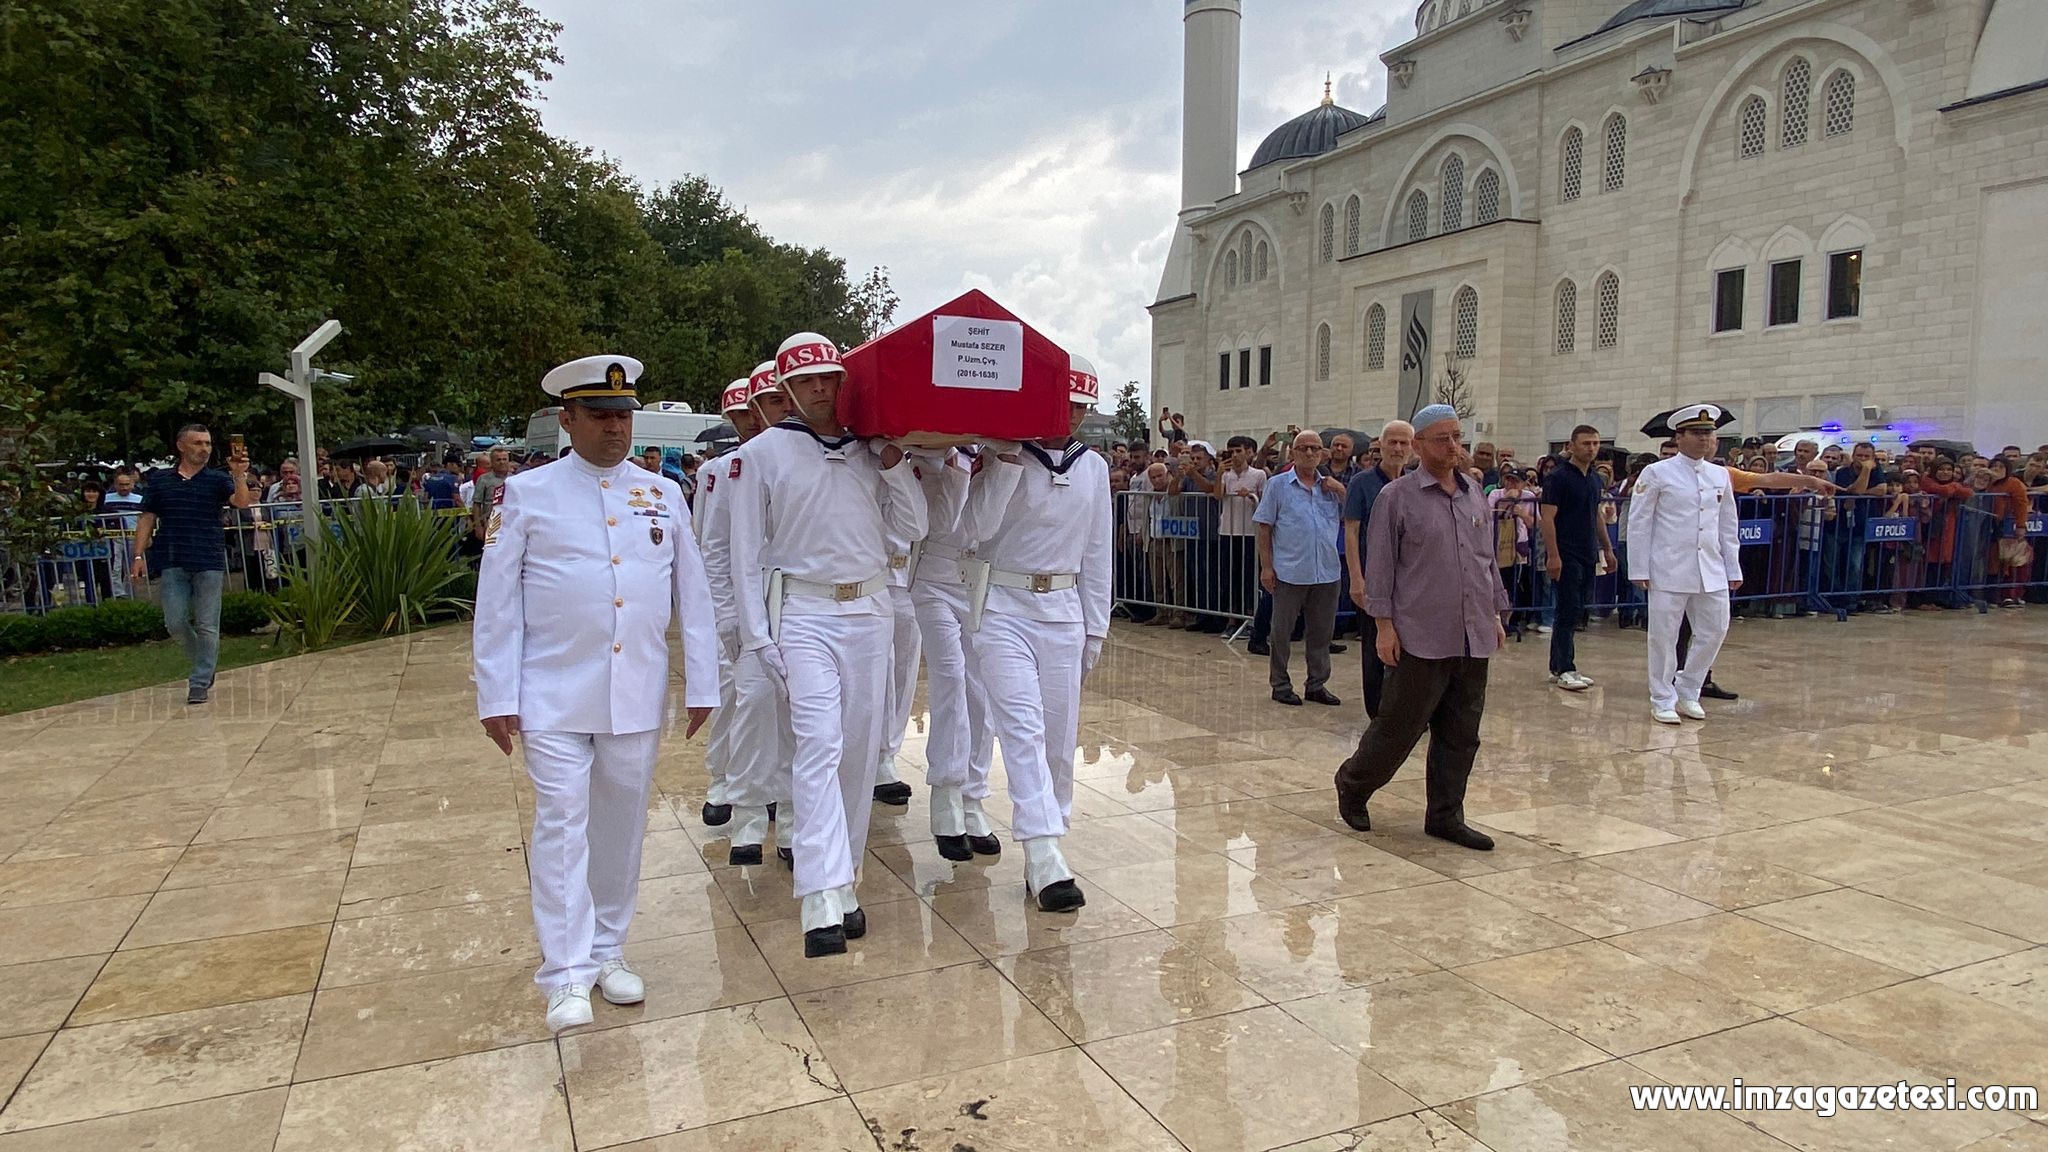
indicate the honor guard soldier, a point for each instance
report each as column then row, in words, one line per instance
column 717, row 754
column 1039, row 611
column 585, row 563
column 960, row 745
column 812, row 510
column 904, row 648
column 1684, row 549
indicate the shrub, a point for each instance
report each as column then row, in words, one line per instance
column 318, row 597
column 405, row 562
column 112, row 623
column 242, row 613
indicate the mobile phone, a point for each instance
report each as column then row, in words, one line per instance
column 235, row 447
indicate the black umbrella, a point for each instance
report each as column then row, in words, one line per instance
column 716, row 433
column 369, row 446
column 431, row 434
column 1659, row 425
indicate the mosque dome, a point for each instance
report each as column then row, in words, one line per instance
column 1660, row 9
column 1312, row 133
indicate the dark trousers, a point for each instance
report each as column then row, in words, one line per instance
column 1315, row 605
column 1375, row 672
column 1574, row 587
column 1444, row 697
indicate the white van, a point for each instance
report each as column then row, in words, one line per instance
column 1888, row 440
column 669, row 425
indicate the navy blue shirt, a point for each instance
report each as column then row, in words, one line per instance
column 1359, row 494
column 1576, row 495
column 188, row 530
column 443, row 489
column 1853, row 508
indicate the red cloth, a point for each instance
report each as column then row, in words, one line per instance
column 889, row 388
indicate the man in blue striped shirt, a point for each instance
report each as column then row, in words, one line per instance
column 181, row 521
column 1298, row 519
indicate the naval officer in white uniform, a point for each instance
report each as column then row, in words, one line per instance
column 1684, row 549
column 585, row 563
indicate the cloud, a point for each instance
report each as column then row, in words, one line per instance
column 1031, row 151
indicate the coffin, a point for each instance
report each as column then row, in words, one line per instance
column 967, row 370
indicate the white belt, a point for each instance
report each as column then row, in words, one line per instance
column 1040, row 582
column 899, row 562
column 947, row 570
column 842, row 593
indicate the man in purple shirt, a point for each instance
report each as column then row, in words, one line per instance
column 1436, row 598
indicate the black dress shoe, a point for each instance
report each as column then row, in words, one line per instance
column 743, row 854
column 827, row 941
column 1336, row 647
column 771, row 811
column 989, row 845
column 1354, row 812
column 854, row 924
column 954, row 847
column 787, row 857
column 1323, row 696
column 1061, row 896
column 1463, row 835
column 1258, row 648
column 1713, row 691
column 895, row 792
column 1286, row 696
column 716, row 814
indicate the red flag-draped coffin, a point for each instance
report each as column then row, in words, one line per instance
column 967, row 369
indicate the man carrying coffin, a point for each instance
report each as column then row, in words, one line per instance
column 711, row 544
column 960, row 745
column 1039, row 612
column 812, row 508
column 584, row 564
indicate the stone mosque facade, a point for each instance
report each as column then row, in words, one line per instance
column 1811, row 212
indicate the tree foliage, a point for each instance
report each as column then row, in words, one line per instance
column 188, row 186
column 1132, row 421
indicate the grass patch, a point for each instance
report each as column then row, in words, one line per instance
column 30, row 682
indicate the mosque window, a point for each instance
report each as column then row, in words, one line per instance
column 1798, row 85
column 1841, row 103
column 1244, row 257
column 1453, row 194
column 1749, row 132
column 1567, row 318
column 1263, row 261
column 1607, row 297
column 1230, row 269
column 1573, row 163
column 1322, row 351
column 1465, row 308
column 1327, row 233
column 1351, row 208
column 1486, row 197
column 1418, row 215
column 1614, row 169
column 1375, row 338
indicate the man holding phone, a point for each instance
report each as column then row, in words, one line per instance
column 181, row 520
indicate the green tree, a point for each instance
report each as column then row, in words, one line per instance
column 1131, row 418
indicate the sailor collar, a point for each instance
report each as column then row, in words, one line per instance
column 835, row 447
column 1066, row 460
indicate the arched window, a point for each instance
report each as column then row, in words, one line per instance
column 1567, row 318
column 1230, row 269
column 1453, row 194
column 1418, row 215
column 1263, row 258
column 1749, row 131
column 1351, row 207
column 1573, row 163
column 1486, row 197
column 1614, row 166
column 1798, row 85
column 1244, row 258
column 1465, row 308
column 1607, row 296
column 1375, row 338
column 1327, row 232
column 1322, row 351
column 1841, row 103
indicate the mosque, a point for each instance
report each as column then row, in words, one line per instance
column 1811, row 212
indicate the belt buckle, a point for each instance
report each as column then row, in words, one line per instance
column 1041, row 582
column 845, row 592
column 899, row 562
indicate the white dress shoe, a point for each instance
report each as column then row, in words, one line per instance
column 619, row 983
column 1663, row 715
column 1691, row 710
column 568, row 1007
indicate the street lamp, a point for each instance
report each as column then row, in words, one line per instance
column 298, row 384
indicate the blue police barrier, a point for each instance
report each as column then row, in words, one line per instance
column 2037, row 524
column 1753, row 532
column 1890, row 530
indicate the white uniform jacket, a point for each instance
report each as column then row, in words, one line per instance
column 1049, row 513
column 583, row 569
column 945, row 480
column 819, row 510
column 714, row 539
column 1682, row 534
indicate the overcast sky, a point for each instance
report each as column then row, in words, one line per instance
column 1028, row 149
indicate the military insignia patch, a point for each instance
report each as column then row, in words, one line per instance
column 654, row 492
column 636, row 502
column 711, row 483
column 654, row 533
column 491, row 527
column 733, row 473
column 639, row 491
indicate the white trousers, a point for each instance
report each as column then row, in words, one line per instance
column 1031, row 671
column 757, row 766
column 837, row 689
column 589, row 815
column 718, row 750
column 1708, row 612
column 904, row 646
column 960, row 745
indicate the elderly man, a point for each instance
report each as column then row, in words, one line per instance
column 1298, row 518
column 1436, row 599
column 1396, row 445
column 1338, row 465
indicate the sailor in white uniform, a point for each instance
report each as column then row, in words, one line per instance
column 904, row 650
column 585, row 563
column 959, row 745
column 1039, row 612
column 717, row 752
column 812, row 509
column 1684, row 550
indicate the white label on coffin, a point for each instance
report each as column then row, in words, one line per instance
column 968, row 352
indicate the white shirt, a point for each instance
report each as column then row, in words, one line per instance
column 1235, row 517
column 1682, row 527
column 943, row 502
column 816, row 510
column 714, row 539
column 1029, row 518
column 468, row 492
column 582, row 571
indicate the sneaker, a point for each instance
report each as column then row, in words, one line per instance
column 1691, row 710
column 196, row 694
column 568, row 1007
column 1543, row 629
column 619, row 983
column 1664, row 715
column 1571, row 681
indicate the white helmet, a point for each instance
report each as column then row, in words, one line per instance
column 806, row 354
column 763, row 380
column 735, row 397
column 1082, row 386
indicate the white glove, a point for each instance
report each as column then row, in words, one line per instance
column 771, row 658
column 1091, row 655
column 1001, row 446
column 729, row 644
